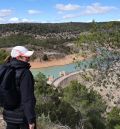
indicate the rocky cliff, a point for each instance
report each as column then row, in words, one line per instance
column 106, row 83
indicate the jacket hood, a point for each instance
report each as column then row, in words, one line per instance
column 19, row 64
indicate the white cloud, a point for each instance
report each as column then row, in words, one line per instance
column 31, row 11
column 5, row 12
column 18, row 20
column 14, row 19
column 115, row 20
column 118, row 20
column 67, row 16
column 96, row 8
column 68, row 7
column 26, row 20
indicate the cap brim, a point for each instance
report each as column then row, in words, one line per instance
column 29, row 53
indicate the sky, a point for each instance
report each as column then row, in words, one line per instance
column 58, row 11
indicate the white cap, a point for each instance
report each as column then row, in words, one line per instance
column 21, row 51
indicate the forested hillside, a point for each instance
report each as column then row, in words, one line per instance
column 39, row 33
column 44, row 28
column 51, row 39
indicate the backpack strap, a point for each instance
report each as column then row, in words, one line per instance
column 3, row 69
column 19, row 73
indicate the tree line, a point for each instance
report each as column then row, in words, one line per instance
column 44, row 28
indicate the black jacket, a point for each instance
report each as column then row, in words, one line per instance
column 28, row 100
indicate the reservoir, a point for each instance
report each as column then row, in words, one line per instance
column 54, row 71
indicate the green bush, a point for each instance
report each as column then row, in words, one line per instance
column 45, row 57
column 3, row 55
column 113, row 118
column 89, row 104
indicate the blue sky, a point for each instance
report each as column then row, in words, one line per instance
column 57, row 11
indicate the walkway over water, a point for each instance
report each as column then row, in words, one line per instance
column 65, row 80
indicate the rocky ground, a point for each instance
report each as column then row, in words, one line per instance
column 106, row 83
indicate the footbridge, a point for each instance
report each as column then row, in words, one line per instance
column 66, row 79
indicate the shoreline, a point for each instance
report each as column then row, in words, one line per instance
column 35, row 65
column 56, row 62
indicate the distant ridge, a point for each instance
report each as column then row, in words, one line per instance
column 44, row 28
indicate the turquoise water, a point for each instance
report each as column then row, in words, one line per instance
column 55, row 70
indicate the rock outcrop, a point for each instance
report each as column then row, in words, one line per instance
column 106, row 83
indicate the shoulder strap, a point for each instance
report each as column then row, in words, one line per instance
column 3, row 69
column 3, row 74
column 19, row 73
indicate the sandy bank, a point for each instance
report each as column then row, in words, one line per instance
column 66, row 60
